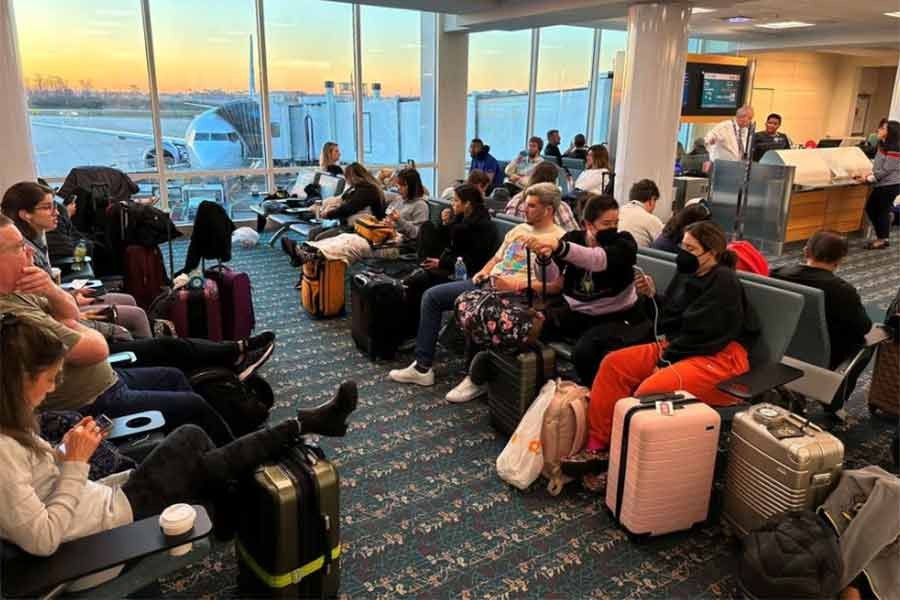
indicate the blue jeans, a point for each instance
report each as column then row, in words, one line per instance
column 164, row 389
column 435, row 301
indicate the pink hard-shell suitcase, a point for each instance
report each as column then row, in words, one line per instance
column 662, row 455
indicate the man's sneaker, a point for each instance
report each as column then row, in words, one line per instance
column 466, row 390
column 253, row 359
column 411, row 375
column 259, row 341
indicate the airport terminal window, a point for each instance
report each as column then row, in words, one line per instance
column 563, row 76
column 207, row 81
column 611, row 42
column 85, row 75
column 309, row 46
column 234, row 193
column 395, row 86
column 497, row 107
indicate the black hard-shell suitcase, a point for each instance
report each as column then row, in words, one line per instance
column 515, row 382
column 288, row 538
column 379, row 319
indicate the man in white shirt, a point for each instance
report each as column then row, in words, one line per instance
column 730, row 140
column 519, row 170
column 637, row 218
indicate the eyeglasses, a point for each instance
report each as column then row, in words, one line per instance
column 50, row 208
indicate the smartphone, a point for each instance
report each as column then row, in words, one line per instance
column 104, row 423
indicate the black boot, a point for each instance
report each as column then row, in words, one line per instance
column 330, row 418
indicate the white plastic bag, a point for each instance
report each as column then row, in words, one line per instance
column 245, row 236
column 522, row 459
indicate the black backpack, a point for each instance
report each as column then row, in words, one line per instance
column 244, row 405
column 142, row 224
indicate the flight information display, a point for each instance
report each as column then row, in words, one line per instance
column 720, row 90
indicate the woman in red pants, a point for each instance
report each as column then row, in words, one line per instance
column 707, row 327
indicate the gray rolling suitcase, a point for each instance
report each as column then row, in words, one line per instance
column 778, row 462
column 515, row 383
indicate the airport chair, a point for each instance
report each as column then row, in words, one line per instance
column 140, row 548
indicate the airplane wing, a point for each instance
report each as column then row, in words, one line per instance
column 114, row 132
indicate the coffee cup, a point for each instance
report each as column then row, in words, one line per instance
column 178, row 519
column 56, row 274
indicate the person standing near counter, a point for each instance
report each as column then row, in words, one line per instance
column 885, row 179
column 771, row 138
column 730, row 140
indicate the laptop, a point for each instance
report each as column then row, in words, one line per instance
column 329, row 184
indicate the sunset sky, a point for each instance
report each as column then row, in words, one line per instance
column 204, row 44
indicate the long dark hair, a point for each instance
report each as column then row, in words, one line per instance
column 544, row 172
column 674, row 229
column 25, row 351
column 891, row 143
column 25, row 195
column 412, row 181
column 712, row 238
column 358, row 176
column 469, row 194
column 599, row 157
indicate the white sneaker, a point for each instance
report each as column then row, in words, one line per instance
column 466, row 391
column 411, row 375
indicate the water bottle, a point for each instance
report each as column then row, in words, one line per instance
column 79, row 255
column 460, row 270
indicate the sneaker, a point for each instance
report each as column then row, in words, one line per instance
column 585, row 462
column 253, row 359
column 466, row 390
column 411, row 375
column 330, row 418
column 259, row 341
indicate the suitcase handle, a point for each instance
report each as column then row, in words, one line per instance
column 654, row 398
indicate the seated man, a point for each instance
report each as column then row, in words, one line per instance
column 507, row 272
column 89, row 383
column 518, row 171
column 637, row 216
column 708, row 326
column 847, row 320
column 601, row 309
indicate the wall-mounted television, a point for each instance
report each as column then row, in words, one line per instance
column 712, row 89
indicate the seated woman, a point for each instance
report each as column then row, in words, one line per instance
column 35, row 212
column 600, row 309
column 476, row 177
column 407, row 212
column 669, row 240
column 329, row 159
column 595, row 176
column 545, row 172
column 47, row 499
column 708, row 327
column 363, row 196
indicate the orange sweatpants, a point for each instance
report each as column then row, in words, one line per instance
column 632, row 372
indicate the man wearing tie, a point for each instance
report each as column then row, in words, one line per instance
column 730, row 140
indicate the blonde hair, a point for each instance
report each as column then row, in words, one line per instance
column 325, row 156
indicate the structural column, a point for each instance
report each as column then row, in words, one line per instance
column 894, row 113
column 15, row 131
column 650, row 112
column 452, row 69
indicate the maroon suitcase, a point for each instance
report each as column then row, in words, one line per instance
column 145, row 274
column 198, row 312
column 236, row 298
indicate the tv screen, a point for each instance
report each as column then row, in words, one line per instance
column 720, row 90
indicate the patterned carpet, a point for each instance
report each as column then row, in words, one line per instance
column 423, row 511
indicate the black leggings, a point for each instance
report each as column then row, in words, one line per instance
column 187, row 354
column 878, row 209
column 187, row 467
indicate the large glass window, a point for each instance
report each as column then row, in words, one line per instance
column 206, row 65
column 498, row 90
column 563, row 78
column 235, row 194
column 611, row 42
column 309, row 74
column 86, row 78
column 397, row 67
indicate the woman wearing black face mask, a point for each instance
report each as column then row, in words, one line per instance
column 600, row 308
column 708, row 327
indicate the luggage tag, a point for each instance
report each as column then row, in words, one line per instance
column 665, row 408
column 784, row 431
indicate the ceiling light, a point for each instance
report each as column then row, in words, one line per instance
column 891, row 14
column 786, row 25
column 699, row 10
column 739, row 19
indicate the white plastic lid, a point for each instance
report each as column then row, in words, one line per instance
column 177, row 515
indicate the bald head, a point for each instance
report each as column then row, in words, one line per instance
column 744, row 115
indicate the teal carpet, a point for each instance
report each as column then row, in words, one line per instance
column 423, row 511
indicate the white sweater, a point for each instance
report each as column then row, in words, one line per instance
column 592, row 180
column 644, row 226
column 45, row 501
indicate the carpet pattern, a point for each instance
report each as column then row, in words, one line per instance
column 423, row 511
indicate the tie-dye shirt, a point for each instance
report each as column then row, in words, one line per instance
column 511, row 253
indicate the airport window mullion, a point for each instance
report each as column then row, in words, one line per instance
column 593, row 84
column 154, row 103
column 532, row 83
column 266, row 124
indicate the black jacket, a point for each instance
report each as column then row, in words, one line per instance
column 357, row 199
column 474, row 238
column 553, row 150
column 701, row 315
column 119, row 186
column 621, row 256
column 211, row 237
column 848, row 322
